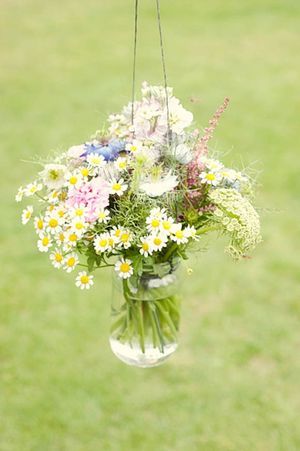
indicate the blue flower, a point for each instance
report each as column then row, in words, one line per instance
column 109, row 151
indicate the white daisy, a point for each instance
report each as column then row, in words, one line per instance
column 79, row 226
column 166, row 225
column 118, row 187
column 74, row 180
column 101, row 242
column 157, row 242
column 32, row 188
column 54, row 175
column 210, row 178
column 190, row 232
column 20, row 194
column 71, row 238
column 84, row 172
column 84, row 280
column 124, row 268
column 39, row 225
column 57, row 258
column 44, row 243
column 95, row 160
column 77, row 211
column 53, row 197
column 60, row 238
column 134, row 146
column 103, row 216
column 70, row 262
column 53, row 224
column 146, row 247
column 121, row 163
column 26, row 214
column 116, row 233
column 178, row 235
column 211, row 164
column 125, row 238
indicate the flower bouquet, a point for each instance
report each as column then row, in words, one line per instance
column 137, row 197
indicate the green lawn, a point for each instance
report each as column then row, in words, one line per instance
column 234, row 382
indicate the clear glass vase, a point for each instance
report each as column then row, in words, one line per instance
column 145, row 316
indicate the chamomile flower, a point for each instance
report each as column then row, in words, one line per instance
column 166, row 225
column 53, row 224
column 190, row 232
column 157, row 242
column 53, row 197
column 126, row 238
column 116, row 233
column 178, row 235
column 146, row 247
column 103, row 216
column 78, row 211
column 155, row 219
column 39, row 224
column 124, row 268
column 112, row 241
column 57, row 258
column 32, row 188
column 71, row 238
column 44, row 243
column 60, row 238
column 85, row 172
column 70, row 262
column 101, row 243
column 84, row 281
column 118, row 187
column 121, row 163
column 79, row 226
column 211, row 164
column 74, row 180
column 134, row 146
column 27, row 214
column 20, row 194
column 210, row 178
column 95, row 160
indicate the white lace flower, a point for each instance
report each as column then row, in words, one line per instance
column 53, row 175
column 157, row 186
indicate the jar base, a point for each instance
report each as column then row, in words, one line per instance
column 131, row 354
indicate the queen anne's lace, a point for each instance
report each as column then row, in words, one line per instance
column 238, row 218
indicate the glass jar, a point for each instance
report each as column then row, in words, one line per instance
column 145, row 316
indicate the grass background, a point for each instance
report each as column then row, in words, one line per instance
column 234, row 382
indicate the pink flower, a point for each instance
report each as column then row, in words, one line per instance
column 94, row 195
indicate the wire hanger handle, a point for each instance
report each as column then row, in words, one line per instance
column 162, row 52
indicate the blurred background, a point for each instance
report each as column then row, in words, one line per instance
column 234, row 382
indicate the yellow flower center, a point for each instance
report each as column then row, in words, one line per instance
column 61, row 213
column 155, row 223
column 84, row 172
column 73, row 180
column 111, row 242
column 40, row 224
column 157, row 241
column 103, row 242
column 117, row 233
column 33, row 189
column 71, row 262
column 125, row 237
column 125, row 267
column 53, row 222
column 179, row 234
column 73, row 237
column 45, row 241
column 58, row 258
column 210, row 177
column 117, row 187
column 84, row 279
column 122, row 164
column 79, row 212
column 133, row 148
column 145, row 246
column 79, row 225
column 166, row 225
column 61, row 237
column 28, row 215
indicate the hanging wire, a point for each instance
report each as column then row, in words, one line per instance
column 136, row 7
column 164, row 69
